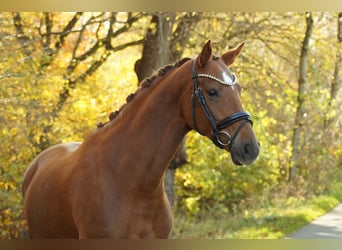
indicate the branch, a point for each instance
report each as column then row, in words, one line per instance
column 182, row 33
column 109, row 49
column 104, row 41
column 22, row 38
column 264, row 41
column 95, row 65
column 48, row 27
column 71, row 83
column 67, row 30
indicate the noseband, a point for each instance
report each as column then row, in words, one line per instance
column 220, row 137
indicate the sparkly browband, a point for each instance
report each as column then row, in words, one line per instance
column 233, row 82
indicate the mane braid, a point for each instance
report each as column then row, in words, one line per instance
column 145, row 84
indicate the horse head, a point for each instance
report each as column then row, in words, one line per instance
column 216, row 109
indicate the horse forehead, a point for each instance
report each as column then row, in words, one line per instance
column 224, row 73
column 226, row 77
column 221, row 69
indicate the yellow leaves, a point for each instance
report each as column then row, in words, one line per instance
column 188, row 179
column 7, row 132
column 192, row 205
column 282, row 137
column 6, row 186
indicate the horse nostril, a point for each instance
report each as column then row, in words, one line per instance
column 246, row 148
column 245, row 153
column 249, row 151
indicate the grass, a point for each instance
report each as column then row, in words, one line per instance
column 273, row 221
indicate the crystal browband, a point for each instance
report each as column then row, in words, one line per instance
column 233, row 82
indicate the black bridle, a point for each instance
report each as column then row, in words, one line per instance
column 217, row 133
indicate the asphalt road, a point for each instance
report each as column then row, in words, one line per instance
column 328, row 226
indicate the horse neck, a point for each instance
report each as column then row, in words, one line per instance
column 147, row 132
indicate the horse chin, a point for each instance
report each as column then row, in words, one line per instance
column 241, row 163
column 236, row 161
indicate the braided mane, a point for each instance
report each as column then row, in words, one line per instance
column 147, row 82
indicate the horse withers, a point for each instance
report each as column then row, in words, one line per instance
column 111, row 185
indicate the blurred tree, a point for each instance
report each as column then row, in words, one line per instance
column 300, row 117
column 336, row 82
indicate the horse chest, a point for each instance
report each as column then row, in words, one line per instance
column 151, row 221
column 145, row 219
column 124, row 215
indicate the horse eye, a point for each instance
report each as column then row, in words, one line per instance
column 212, row 92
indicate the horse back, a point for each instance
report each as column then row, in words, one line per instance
column 45, row 158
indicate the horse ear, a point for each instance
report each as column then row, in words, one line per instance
column 230, row 56
column 205, row 55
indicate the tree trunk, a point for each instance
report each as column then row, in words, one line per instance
column 336, row 82
column 297, row 129
column 156, row 46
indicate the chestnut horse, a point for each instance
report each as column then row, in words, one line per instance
column 111, row 185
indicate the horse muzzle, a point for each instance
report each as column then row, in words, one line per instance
column 245, row 152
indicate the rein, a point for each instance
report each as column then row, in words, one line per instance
column 218, row 134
